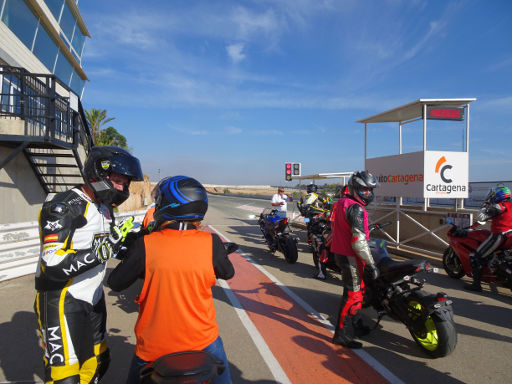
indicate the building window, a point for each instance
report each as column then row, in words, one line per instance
column 63, row 69
column 20, row 20
column 67, row 22
column 78, row 42
column 45, row 48
column 77, row 84
column 55, row 7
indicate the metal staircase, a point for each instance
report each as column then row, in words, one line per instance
column 43, row 119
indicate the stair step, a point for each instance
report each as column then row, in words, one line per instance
column 60, row 175
column 61, row 184
column 42, row 165
column 42, row 154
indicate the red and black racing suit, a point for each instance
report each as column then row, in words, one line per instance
column 351, row 252
column 70, row 304
column 501, row 231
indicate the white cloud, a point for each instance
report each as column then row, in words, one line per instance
column 235, row 52
column 191, row 132
column 503, row 103
column 507, row 62
column 251, row 24
column 233, row 130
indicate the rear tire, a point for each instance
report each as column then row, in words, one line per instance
column 289, row 249
column 438, row 338
column 452, row 264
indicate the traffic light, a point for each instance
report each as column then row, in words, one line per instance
column 291, row 169
column 288, row 171
column 296, row 169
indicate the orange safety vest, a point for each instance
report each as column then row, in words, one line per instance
column 176, row 311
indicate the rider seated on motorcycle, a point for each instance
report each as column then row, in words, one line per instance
column 352, row 254
column 311, row 203
column 497, row 207
column 179, row 264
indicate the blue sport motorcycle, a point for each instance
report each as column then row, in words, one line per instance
column 277, row 234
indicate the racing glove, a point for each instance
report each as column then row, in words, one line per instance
column 373, row 271
column 110, row 246
column 118, row 232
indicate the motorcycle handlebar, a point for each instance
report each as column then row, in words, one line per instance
column 378, row 225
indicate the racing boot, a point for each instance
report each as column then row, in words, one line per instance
column 360, row 329
column 475, row 286
column 343, row 336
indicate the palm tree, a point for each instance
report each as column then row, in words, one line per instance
column 97, row 118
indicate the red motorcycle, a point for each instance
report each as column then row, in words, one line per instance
column 497, row 268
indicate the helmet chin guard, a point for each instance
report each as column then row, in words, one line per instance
column 104, row 161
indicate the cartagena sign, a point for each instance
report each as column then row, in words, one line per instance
column 432, row 174
column 398, row 175
column 446, row 174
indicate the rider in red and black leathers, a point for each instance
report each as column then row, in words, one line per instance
column 498, row 208
column 352, row 253
column 78, row 236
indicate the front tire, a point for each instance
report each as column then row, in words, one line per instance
column 452, row 264
column 437, row 337
column 289, row 247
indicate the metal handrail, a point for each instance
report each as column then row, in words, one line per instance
column 34, row 98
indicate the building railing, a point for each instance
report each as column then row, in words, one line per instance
column 50, row 110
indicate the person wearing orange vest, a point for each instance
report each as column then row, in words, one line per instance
column 350, row 235
column 180, row 264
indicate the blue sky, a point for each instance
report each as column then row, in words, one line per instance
column 227, row 91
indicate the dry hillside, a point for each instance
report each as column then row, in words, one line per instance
column 140, row 196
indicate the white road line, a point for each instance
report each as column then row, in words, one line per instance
column 265, row 352
column 370, row 360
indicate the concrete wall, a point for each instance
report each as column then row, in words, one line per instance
column 21, row 195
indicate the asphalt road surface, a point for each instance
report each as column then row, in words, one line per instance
column 275, row 321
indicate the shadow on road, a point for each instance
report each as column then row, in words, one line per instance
column 21, row 358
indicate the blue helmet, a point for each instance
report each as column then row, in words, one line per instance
column 498, row 194
column 180, row 198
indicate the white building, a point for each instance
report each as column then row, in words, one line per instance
column 44, row 136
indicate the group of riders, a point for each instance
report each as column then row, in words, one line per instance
column 496, row 208
column 79, row 234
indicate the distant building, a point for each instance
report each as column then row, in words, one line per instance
column 44, row 136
